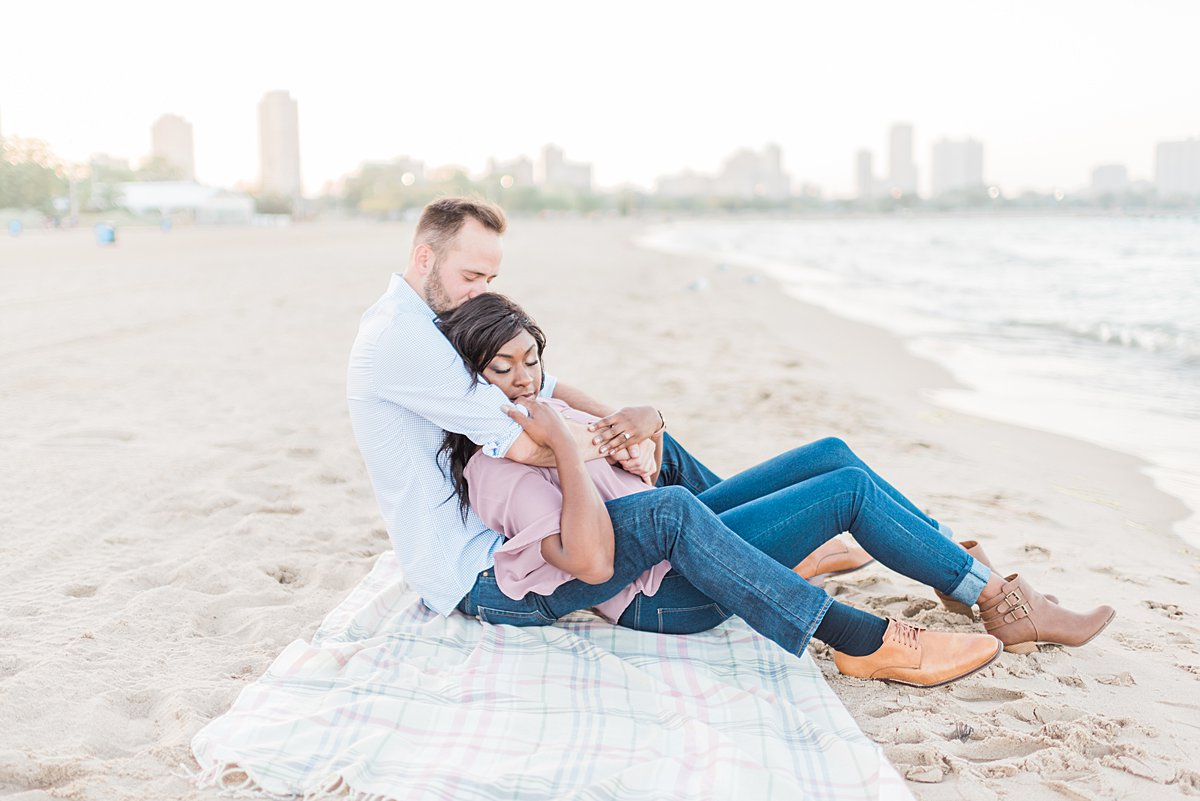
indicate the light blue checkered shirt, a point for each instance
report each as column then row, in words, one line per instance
column 405, row 384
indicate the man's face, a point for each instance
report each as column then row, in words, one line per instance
column 466, row 268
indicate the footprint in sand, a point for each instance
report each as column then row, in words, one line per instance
column 10, row 665
column 973, row 693
column 95, row 436
column 302, row 453
column 80, row 590
column 272, row 492
column 1122, row 679
column 279, row 510
column 918, row 606
column 1002, row 746
column 284, row 574
column 1036, row 553
column 1136, row 643
column 1170, row 610
column 1108, row 570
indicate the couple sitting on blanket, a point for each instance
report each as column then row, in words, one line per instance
column 514, row 498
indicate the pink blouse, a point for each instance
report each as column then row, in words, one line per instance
column 525, row 503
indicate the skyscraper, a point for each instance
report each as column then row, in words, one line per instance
column 279, row 144
column 557, row 174
column 902, row 170
column 1109, row 179
column 171, row 141
column 864, row 175
column 1177, row 168
column 957, row 166
column 747, row 174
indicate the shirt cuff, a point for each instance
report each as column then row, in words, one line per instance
column 548, row 386
column 496, row 448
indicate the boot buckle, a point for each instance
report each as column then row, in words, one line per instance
column 1013, row 598
column 1013, row 612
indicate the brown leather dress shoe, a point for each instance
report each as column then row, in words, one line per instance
column 1022, row 617
column 921, row 658
column 832, row 559
column 976, row 550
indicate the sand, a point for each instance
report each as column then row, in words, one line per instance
column 181, row 496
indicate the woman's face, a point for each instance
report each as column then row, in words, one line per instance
column 516, row 369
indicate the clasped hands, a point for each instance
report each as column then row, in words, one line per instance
column 623, row 437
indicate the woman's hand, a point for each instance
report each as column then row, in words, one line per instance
column 627, row 426
column 544, row 425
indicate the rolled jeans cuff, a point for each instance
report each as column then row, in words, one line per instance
column 947, row 532
column 972, row 583
column 816, row 623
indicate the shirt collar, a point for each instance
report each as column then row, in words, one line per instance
column 402, row 291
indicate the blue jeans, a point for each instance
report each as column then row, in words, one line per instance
column 736, row 557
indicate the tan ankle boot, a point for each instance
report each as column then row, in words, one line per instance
column 1022, row 617
column 921, row 658
column 976, row 550
column 832, row 559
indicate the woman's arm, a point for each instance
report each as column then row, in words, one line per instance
column 584, row 545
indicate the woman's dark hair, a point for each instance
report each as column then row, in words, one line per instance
column 478, row 329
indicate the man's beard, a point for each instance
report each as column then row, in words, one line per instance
column 435, row 293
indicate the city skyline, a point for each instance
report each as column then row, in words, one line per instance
column 1105, row 87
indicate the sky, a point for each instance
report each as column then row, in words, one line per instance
column 639, row 89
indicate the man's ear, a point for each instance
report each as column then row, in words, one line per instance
column 422, row 259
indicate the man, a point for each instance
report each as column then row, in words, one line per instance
column 406, row 384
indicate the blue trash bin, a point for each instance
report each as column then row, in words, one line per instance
column 106, row 234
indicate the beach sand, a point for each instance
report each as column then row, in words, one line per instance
column 181, row 496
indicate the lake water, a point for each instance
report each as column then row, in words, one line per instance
column 1085, row 326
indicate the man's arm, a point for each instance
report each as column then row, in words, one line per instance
column 416, row 367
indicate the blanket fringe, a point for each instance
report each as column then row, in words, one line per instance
column 233, row 782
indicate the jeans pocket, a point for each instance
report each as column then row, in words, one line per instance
column 690, row 619
column 508, row 617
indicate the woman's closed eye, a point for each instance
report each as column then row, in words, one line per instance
column 503, row 371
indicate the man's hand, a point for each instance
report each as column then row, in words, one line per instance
column 626, row 427
column 644, row 465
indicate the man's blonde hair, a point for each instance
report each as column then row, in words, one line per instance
column 442, row 219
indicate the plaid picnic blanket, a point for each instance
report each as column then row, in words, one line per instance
column 392, row 701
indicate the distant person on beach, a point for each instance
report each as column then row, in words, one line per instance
column 730, row 547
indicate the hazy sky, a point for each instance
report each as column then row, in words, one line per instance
column 639, row 88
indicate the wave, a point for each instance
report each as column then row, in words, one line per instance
column 1163, row 338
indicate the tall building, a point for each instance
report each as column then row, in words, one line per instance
column 171, row 141
column 957, row 167
column 514, row 172
column 1109, row 179
column 684, row 184
column 279, row 145
column 902, row 170
column 864, row 175
column 1177, row 168
column 747, row 175
column 558, row 174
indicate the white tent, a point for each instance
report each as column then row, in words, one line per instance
column 205, row 204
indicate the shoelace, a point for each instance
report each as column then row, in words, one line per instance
column 905, row 633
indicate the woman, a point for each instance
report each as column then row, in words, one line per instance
column 558, row 530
